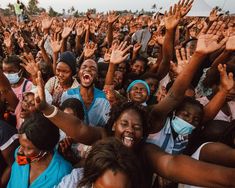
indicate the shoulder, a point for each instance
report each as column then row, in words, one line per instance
column 99, row 94
column 8, row 135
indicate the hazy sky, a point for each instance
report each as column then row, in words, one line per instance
column 104, row 5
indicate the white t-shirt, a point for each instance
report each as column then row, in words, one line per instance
column 221, row 115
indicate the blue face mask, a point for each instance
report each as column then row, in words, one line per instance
column 13, row 77
column 181, row 127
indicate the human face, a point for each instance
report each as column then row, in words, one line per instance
column 88, row 73
column 138, row 93
column 122, row 67
column 191, row 113
column 129, row 128
column 26, row 146
column 118, row 78
column 63, row 73
column 27, row 105
column 111, row 179
column 153, row 84
column 138, row 67
column 39, row 57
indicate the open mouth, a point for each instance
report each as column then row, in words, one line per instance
column 128, row 141
column 87, row 78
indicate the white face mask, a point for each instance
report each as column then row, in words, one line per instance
column 13, row 77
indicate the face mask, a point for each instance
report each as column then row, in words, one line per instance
column 13, row 77
column 181, row 127
column 21, row 159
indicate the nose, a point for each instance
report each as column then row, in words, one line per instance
column 130, row 129
column 190, row 120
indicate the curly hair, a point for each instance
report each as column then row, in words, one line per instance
column 118, row 109
column 110, row 154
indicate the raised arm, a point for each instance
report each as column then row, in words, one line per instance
column 118, row 55
column 172, row 19
column 207, row 43
column 217, row 102
column 77, row 129
column 112, row 17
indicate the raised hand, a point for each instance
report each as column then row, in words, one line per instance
column 46, row 23
column 107, row 55
column 183, row 58
column 8, row 39
column 208, row 40
column 118, row 54
column 230, row 44
column 172, row 18
column 136, row 48
column 184, row 7
column 112, row 17
column 213, row 15
column 68, row 29
column 226, row 80
column 42, row 42
column 56, row 43
column 30, row 64
column 90, row 49
column 79, row 29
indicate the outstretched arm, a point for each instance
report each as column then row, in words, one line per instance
column 77, row 129
column 184, row 169
column 217, row 102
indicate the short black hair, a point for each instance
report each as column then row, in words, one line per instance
column 75, row 105
column 111, row 154
column 40, row 131
column 14, row 60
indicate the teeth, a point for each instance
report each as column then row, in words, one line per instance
column 128, row 138
column 128, row 141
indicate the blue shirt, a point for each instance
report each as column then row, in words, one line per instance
column 165, row 140
column 98, row 112
column 50, row 177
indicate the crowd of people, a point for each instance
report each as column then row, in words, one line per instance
column 118, row 101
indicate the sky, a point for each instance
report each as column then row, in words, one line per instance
column 105, row 5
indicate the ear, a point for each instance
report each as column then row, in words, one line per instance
column 113, row 127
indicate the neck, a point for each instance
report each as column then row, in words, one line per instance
column 67, row 84
column 87, row 91
column 44, row 161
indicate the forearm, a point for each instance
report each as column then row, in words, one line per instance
column 214, row 106
column 55, row 57
column 184, row 79
column 110, row 34
column 5, row 176
column 110, row 74
column 64, row 45
column 78, row 44
column 168, row 51
column 87, row 35
column 76, row 129
column 45, row 56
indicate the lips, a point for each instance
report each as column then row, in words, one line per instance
column 87, row 79
column 128, row 141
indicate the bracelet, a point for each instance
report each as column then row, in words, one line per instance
column 53, row 114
